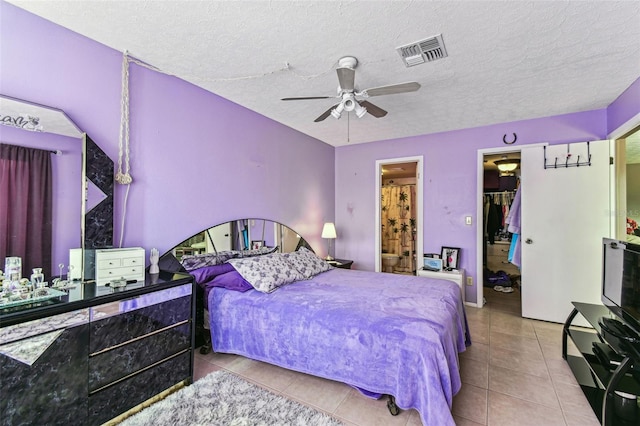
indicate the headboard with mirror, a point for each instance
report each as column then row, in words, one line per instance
column 82, row 177
column 241, row 234
column 236, row 235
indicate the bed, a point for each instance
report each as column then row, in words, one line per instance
column 382, row 333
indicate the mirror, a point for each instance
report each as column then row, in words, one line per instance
column 79, row 165
column 243, row 234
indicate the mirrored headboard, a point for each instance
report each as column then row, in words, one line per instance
column 241, row 234
column 83, row 193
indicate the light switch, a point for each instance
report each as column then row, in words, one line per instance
column 467, row 220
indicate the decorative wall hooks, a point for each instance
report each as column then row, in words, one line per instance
column 559, row 158
column 515, row 138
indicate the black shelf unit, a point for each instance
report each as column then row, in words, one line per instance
column 598, row 382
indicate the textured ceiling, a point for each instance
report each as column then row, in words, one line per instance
column 507, row 60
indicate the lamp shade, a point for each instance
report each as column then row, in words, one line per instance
column 329, row 230
column 507, row 165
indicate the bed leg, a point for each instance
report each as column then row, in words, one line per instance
column 391, row 405
column 206, row 346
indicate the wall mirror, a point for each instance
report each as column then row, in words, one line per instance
column 81, row 184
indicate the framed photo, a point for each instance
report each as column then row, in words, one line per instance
column 256, row 244
column 450, row 258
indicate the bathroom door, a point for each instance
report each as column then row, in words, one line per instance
column 565, row 215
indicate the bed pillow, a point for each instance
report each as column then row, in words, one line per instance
column 207, row 273
column 255, row 252
column 305, row 261
column 267, row 273
column 231, row 281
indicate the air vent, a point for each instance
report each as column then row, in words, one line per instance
column 422, row 51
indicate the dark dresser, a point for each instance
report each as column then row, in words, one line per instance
column 93, row 354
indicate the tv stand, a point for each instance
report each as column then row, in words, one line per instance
column 605, row 384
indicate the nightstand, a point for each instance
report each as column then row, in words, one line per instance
column 456, row 275
column 341, row 263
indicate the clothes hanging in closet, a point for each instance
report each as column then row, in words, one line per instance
column 514, row 225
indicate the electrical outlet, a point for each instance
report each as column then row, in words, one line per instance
column 469, row 280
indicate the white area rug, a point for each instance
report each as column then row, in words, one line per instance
column 222, row 398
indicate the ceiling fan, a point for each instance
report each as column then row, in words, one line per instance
column 347, row 93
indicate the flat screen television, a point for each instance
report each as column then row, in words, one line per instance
column 621, row 281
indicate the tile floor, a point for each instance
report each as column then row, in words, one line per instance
column 513, row 375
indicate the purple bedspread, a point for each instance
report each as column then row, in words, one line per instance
column 386, row 333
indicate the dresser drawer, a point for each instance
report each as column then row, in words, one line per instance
column 113, row 324
column 122, row 396
column 116, row 363
column 136, row 272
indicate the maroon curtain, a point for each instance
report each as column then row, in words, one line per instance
column 25, row 207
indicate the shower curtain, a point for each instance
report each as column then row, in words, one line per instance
column 399, row 224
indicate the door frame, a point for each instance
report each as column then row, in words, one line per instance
column 480, row 213
column 617, row 174
column 419, row 204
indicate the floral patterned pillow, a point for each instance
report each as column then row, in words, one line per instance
column 307, row 262
column 266, row 273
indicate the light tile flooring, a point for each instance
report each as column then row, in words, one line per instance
column 513, row 374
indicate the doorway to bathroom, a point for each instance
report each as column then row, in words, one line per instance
column 399, row 232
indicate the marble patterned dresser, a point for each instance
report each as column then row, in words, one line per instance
column 87, row 358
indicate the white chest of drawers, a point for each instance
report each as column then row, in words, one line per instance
column 127, row 263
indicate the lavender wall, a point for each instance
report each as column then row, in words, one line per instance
column 197, row 159
column 450, row 182
column 624, row 108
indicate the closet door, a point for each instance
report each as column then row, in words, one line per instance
column 565, row 214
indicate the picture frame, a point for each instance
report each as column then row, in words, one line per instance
column 432, row 264
column 256, row 244
column 450, row 257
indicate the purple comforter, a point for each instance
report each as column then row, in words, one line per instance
column 386, row 333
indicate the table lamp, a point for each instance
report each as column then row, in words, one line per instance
column 329, row 232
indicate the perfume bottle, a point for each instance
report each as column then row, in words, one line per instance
column 37, row 278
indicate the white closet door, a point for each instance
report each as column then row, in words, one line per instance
column 565, row 215
column 221, row 236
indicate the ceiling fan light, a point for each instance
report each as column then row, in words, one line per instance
column 337, row 111
column 507, row 165
column 360, row 110
column 349, row 104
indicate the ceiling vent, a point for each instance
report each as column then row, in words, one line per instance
column 422, row 51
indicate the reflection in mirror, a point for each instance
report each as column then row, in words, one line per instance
column 80, row 163
column 29, row 130
column 244, row 234
column 632, row 154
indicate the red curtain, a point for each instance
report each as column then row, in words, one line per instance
column 26, row 207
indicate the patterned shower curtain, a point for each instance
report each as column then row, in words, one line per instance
column 399, row 224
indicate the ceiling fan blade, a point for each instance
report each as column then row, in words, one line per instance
column 306, row 97
column 390, row 90
column 376, row 111
column 325, row 114
column 346, row 78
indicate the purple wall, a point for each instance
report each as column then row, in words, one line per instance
column 196, row 159
column 624, row 108
column 450, row 182
column 67, row 175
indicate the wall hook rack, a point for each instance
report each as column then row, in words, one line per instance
column 568, row 159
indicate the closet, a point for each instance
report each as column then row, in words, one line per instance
column 499, row 192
